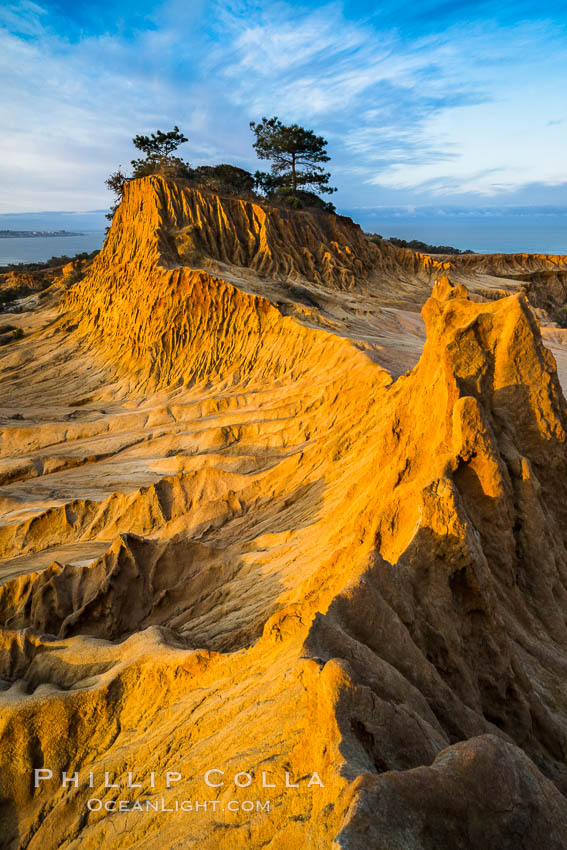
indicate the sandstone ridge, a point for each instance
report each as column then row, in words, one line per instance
column 232, row 534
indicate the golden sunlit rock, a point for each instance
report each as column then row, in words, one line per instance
column 260, row 517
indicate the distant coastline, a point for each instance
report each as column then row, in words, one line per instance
column 27, row 234
column 16, row 250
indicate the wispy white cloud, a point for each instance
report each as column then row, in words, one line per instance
column 23, row 18
column 461, row 111
column 467, row 111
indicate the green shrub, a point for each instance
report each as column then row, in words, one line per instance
column 224, row 178
column 561, row 316
column 417, row 245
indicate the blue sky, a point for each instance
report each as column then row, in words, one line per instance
column 433, row 103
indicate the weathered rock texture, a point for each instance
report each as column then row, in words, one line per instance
column 233, row 538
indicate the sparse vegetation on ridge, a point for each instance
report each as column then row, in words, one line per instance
column 53, row 262
column 296, row 154
column 18, row 280
column 417, row 245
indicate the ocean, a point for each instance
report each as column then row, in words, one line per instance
column 37, row 249
column 490, row 233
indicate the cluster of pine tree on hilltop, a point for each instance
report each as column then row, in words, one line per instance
column 295, row 177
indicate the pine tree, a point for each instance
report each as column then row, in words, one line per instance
column 158, row 149
column 295, row 153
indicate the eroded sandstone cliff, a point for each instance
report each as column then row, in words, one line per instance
column 248, row 524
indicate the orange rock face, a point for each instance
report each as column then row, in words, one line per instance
column 273, row 575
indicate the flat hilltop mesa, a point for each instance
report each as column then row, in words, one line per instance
column 288, row 503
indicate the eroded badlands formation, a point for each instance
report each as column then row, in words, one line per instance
column 249, row 524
